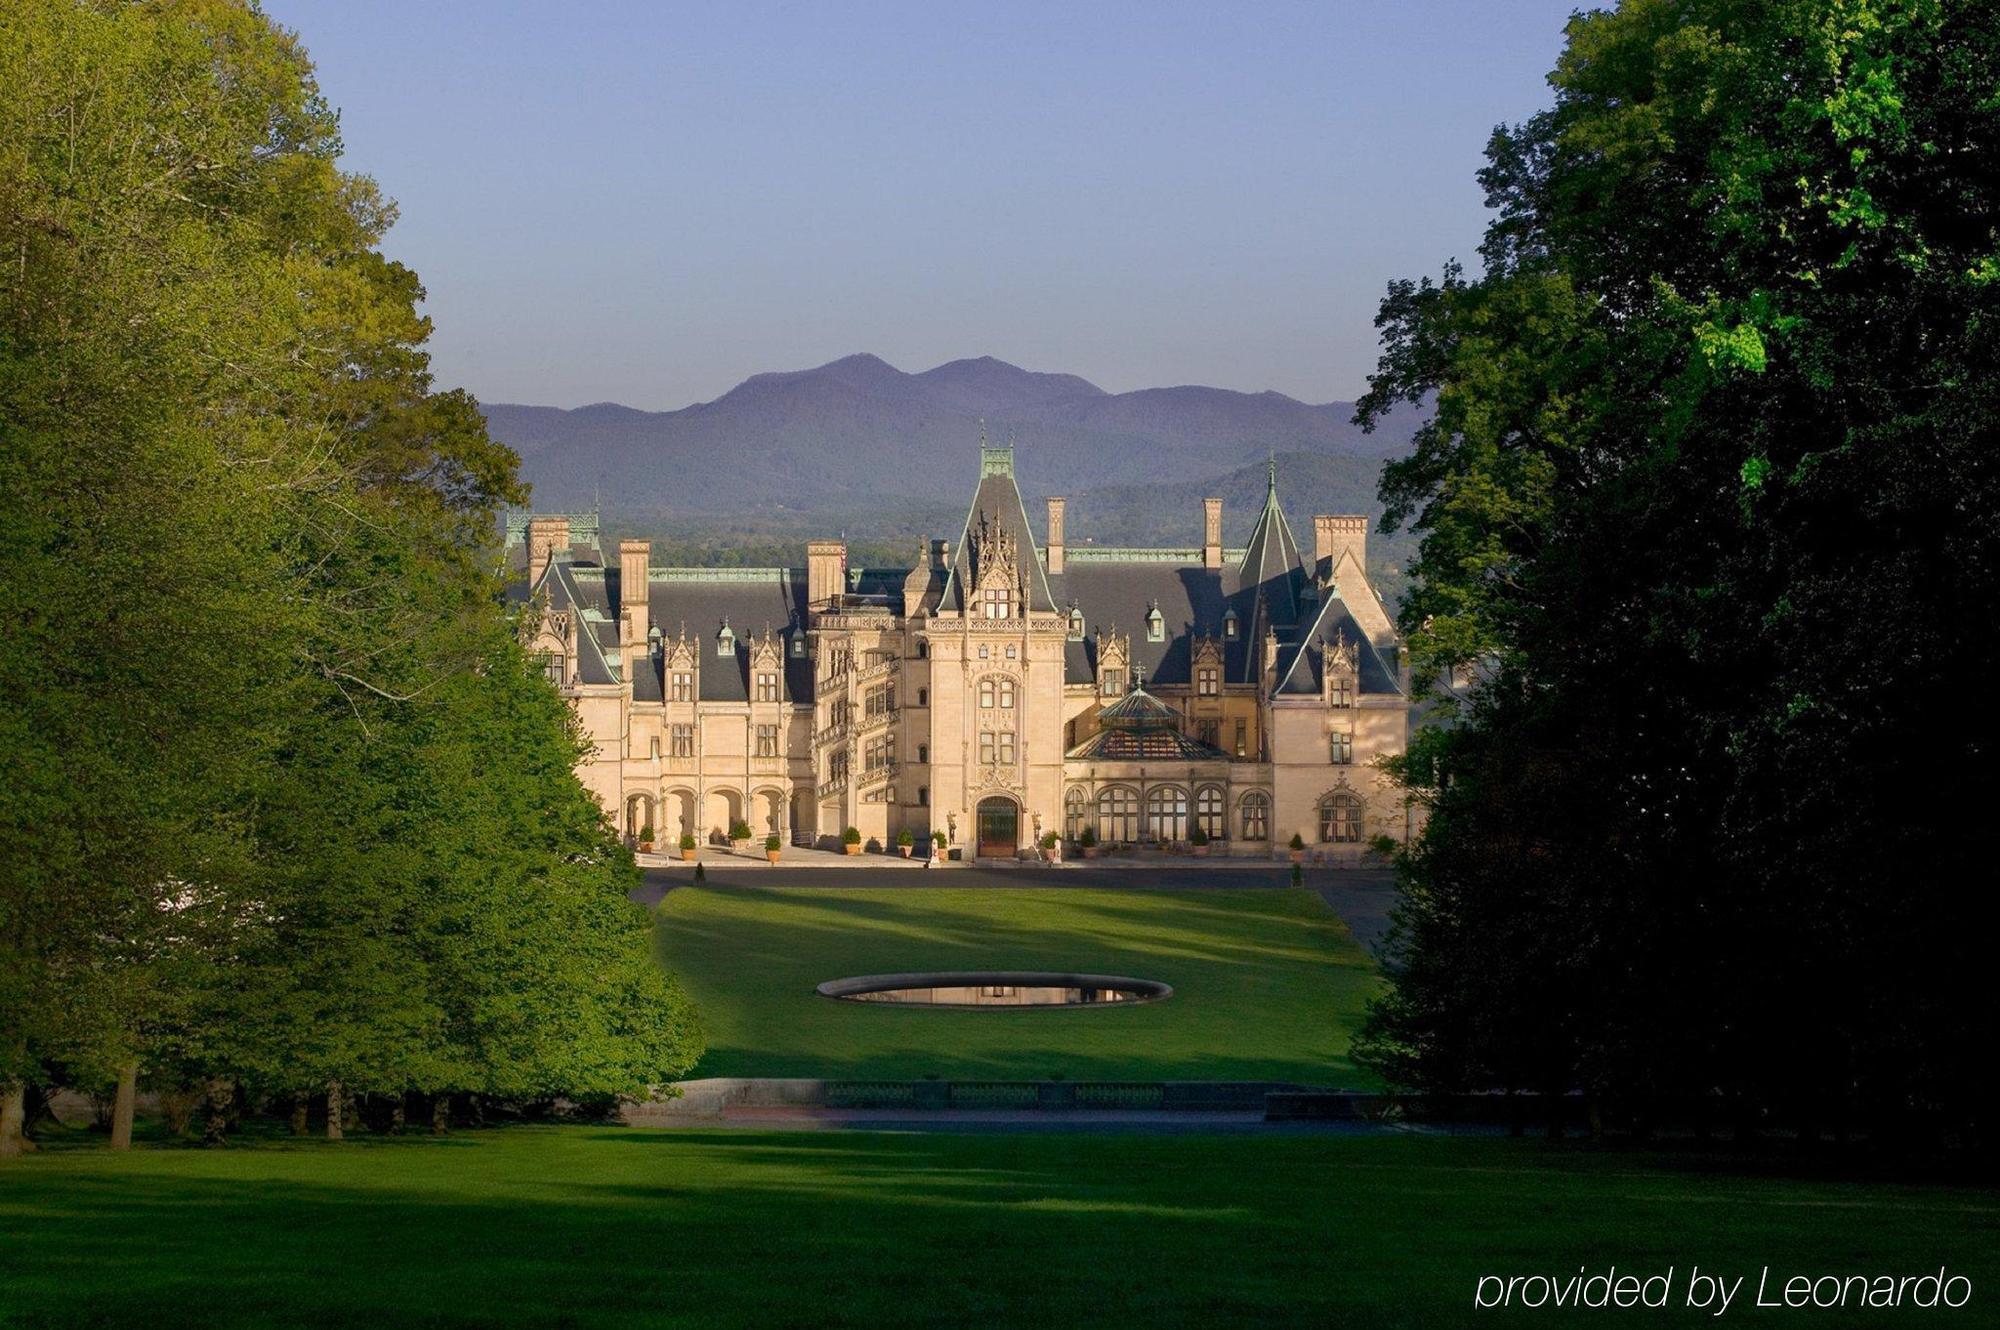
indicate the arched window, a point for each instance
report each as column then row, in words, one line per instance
column 1076, row 813
column 1256, row 815
column 987, row 690
column 923, row 753
column 1167, row 814
column 1117, row 816
column 1007, row 694
column 1340, row 818
column 1208, row 811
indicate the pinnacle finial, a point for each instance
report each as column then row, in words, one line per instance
column 1271, row 483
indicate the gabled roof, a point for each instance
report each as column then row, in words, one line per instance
column 1116, row 595
column 1300, row 663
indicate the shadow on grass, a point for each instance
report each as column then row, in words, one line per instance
column 576, row 1226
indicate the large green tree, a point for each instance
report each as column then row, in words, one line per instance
column 247, row 564
column 1708, row 512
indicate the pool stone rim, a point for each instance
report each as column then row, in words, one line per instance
column 851, row 988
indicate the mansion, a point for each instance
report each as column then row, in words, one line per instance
column 997, row 691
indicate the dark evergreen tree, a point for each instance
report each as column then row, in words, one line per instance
column 1708, row 516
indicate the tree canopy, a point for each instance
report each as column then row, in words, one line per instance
column 1708, row 529
column 288, row 808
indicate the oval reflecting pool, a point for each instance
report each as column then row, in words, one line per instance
column 995, row 988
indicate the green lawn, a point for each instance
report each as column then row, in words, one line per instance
column 1268, row 984
column 583, row 1227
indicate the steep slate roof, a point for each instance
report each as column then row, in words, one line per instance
column 1272, row 566
column 998, row 499
column 749, row 600
column 1299, row 663
column 699, row 599
column 1115, row 594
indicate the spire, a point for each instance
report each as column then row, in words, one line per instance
column 1272, row 563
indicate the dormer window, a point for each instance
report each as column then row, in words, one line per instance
column 798, row 646
column 1229, row 624
column 997, row 603
column 1156, row 624
column 725, row 641
column 1075, row 624
column 653, row 638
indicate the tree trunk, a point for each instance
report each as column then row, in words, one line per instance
column 14, row 1119
column 396, row 1115
column 301, row 1113
column 336, row 1109
column 221, row 1094
column 125, row 1105
column 440, row 1114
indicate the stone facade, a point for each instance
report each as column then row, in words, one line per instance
column 996, row 691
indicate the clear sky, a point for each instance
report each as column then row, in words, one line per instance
column 646, row 202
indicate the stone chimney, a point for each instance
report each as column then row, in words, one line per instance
column 1211, row 533
column 826, row 572
column 1056, row 534
column 635, row 561
column 1334, row 536
column 547, row 536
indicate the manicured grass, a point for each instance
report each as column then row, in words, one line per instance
column 628, row 1228
column 1268, row 983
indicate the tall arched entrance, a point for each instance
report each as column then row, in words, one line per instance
column 999, row 825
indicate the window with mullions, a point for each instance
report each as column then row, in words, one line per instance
column 1208, row 812
column 1256, row 816
column 1340, row 819
column 1117, row 816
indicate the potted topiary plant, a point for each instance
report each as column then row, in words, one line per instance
column 1198, row 841
column 938, row 839
column 739, row 835
column 646, row 838
column 1087, row 842
column 687, row 847
column 906, row 840
column 772, row 845
column 1298, row 848
column 850, row 840
column 1052, row 847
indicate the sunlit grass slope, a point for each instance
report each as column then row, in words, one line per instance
column 1268, row 984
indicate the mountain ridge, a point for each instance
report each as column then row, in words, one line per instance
column 858, row 428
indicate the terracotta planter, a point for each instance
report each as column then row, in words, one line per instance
column 687, row 856
column 1199, row 851
column 772, row 855
column 740, row 846
column 906, row 850
column 1090, row 851
column 645, row 847
column 851, row 849
column 1297, row 856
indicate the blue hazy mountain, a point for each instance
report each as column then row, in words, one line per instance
column 858, row 434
